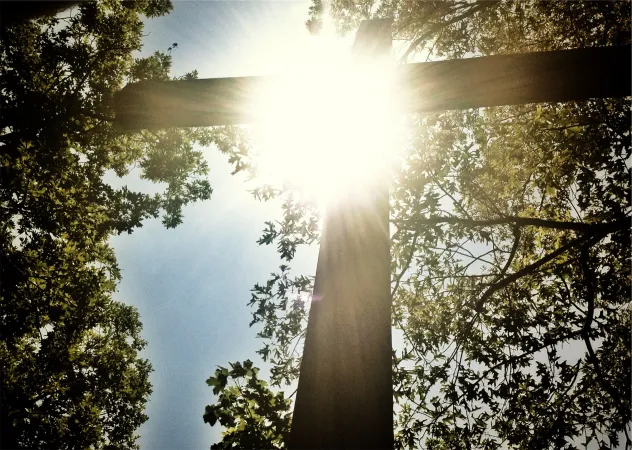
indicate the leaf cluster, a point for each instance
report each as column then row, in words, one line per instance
column 254, row 416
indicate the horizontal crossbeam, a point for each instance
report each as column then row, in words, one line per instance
column 556, row 76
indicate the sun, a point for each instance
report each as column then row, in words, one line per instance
column 327, row 128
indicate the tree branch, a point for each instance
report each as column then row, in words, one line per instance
column 293, row 393
column 445, row 191
column 408, row 261
column 441, row 25
column 523, row 222
column 512, row 253
column 582, row 240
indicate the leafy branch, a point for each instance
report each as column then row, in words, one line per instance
column 433, row 30
column 582, row 241
column 583, row 227
column 592, row 357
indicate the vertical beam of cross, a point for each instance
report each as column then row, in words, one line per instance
column 344, row 398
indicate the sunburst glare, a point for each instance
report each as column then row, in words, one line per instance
column 328, row 127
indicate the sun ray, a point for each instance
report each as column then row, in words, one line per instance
column 328, row 127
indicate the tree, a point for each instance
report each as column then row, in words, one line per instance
column 72, row 375
column 511, row 245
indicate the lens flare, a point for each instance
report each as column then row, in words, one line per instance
column 328, row 128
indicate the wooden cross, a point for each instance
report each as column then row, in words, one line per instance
column 344, row 398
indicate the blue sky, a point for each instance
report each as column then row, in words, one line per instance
column 191, row 285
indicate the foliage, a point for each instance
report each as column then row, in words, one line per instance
column 254, row 416
column 511, row 244
column 284, row 322
column 72, row 376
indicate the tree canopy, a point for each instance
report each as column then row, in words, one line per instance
column 72, row 376
column 510, row 245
